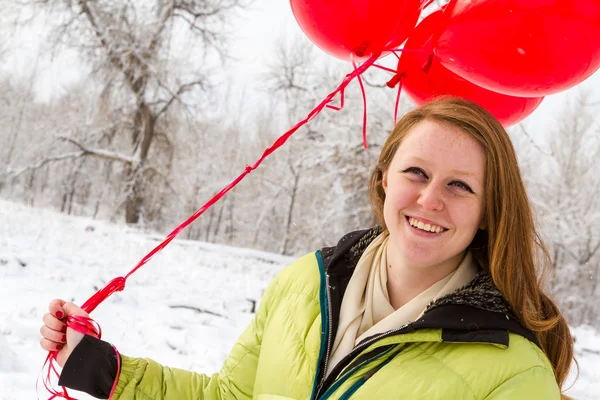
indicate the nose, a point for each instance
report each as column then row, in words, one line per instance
column 431, row 198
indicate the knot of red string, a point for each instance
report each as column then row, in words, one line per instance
column 116, row 285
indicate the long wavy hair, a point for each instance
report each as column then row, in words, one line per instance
column 510, row 247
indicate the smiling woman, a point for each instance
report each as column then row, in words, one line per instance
column 434, row 183
column 460, row 144
column 441, row 301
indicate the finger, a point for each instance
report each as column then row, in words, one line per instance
column 56, row 308
column 49, row 345
column 72, row 309
column 53, row 323
column 52, row 335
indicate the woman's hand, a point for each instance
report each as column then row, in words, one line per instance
column 56, row 335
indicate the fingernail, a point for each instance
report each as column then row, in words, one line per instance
column 59, row 314
column 64, row 329
column 59, row 347
column 64, row 338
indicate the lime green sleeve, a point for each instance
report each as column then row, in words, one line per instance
column 534, row 383
column 145, row 379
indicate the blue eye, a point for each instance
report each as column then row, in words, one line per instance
column 462, row 185
column 415, row 171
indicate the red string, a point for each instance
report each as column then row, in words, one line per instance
column 112, row 391
column 88, row 326
column 397, row 102
column 338, row 108
column 384, row 68
column 84, row 325
column 116, row 285
column 427, row 4
column 405, row 50
column 364, row 96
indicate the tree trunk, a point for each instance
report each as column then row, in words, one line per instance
column 288, row 225
column 99, row 198
column 144, row 125
column 219, row 222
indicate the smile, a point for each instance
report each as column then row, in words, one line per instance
column 426, row 227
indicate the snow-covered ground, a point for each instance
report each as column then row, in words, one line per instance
column 44, row 255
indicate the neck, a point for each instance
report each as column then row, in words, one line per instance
column 406, row 280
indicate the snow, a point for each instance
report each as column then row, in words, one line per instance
column 45, row 255
column 587, row 353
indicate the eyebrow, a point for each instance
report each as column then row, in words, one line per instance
column 454, row 171
column 458, row 172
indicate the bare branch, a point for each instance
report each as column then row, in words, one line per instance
column 115, row 59
column 11, row 174
column 175, row 96
column 568, row 251
column 533, row 143
column 369, row 83
column 106, row 154
column 84, row 151
column 589, row 251
column 155, row 171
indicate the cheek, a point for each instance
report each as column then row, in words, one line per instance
column 469, row 217
column 398, row 197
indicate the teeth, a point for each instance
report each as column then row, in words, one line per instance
column 425, row 227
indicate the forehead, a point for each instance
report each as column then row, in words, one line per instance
column 442, row 145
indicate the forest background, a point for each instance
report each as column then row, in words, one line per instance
column 139, row 112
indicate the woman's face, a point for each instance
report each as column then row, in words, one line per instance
column 434, row 196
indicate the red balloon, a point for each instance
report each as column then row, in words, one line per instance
column 522, row 47
column 424, row 78
column 356, row 29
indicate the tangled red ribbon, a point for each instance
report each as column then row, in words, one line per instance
column 88, row 326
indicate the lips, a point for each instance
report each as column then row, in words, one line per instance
column 425, row 225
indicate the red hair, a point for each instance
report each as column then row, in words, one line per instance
column 510, row 247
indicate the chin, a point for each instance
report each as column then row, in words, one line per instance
column 424, row 262
column 420, row 256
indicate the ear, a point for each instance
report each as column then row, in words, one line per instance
column 483, row 224
column 384, row 181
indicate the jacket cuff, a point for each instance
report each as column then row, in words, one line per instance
column 91, row 368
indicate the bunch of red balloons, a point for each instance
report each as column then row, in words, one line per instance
column 505, row 55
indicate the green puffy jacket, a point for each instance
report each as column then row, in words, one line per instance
column 466, row 346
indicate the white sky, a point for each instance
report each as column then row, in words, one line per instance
column 256, row 32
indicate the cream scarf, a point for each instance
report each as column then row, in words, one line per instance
column 366, row 308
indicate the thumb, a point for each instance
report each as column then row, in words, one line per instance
column 72, row 309
column 56, row 308
column 74, row 335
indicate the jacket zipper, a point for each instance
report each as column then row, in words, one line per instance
column 329, row 337
column 358, row 384
column 372, row 340
column 356, row 350
column 347, row 374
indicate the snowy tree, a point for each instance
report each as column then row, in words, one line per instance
column 323, row 171
column 564, row 183
column 134, row 52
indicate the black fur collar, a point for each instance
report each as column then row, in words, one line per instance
column 478, row 306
